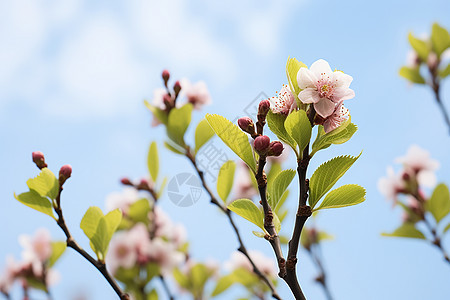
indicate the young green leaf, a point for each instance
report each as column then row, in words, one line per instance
column 37, row 202
column 259, row 234
column 299, row 128
column 181, row 278
column 225, row 179
column 233, row 137
column 446, row 228
column 345, row 195
column 223, row 284
column 157, row 112
column 419, row 46
column 153, row 295
column 279, row 186
column 45, row 184
column 407, row 230
column 339, row 135
column 58, row 249
column 440, row 39
column 445, row 71
column 439, row 203
column 153, row 161
column 411, row 74
column 327, row 175
column 178, row 122
column 292, row 68
column 276, row 125
column 174, row 148
column 203, row 133
column 248, row 210
column 138, row 211
column 199, row 274
column 323, row 236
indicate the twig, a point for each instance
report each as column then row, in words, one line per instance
column 227, row 212
column 435, row 86
column 166, row 287
column 74, row 245
column 322, row 277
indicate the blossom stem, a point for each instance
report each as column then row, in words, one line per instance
column 100, row 266
column 227, row 212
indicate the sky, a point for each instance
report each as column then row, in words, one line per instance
column 74, row 74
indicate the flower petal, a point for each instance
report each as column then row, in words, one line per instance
column 324, row 107
column 320, row 67
column 306, row 78
column 309, row 95
column 341, row 79
column 343, row 93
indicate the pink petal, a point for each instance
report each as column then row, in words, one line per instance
column 341, row 79
column 343, row 93
column 309, row 95
column 320, row 67
column 324, row 107
column 306, row 78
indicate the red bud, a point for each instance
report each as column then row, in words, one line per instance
column 64, row 173
column 262, row 144
column 165, row 76
column 39, row 160
column 275, row 148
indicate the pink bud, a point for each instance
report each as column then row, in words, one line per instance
column 246, row 124
column 177, row 88
column 262, row 144
column 126, row 181
column 39, row 160
column 165, row 76
column 264, row 107
column 64, row 173
column 167, row 101
column 275, row 148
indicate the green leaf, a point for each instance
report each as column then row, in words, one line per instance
column 411, row 74
column 174, row 148
column 199, row 274
column 157, row 112
column 248, row 210
column 99, row 228
column 139, row 210
column 299, row 128
column 345, row 195
column 58, row 249
column 234, row 138
column 279, row 186
column 446, row 228
column 276, row 223
column 407, row 230
column 203, row 133
column 178, row 122
column 153, row 295
column 327, row 175
column 45, row 184
column 439, row 203
column 440, row 39
column 259, row 234
column 445, row 72
column 153, row 269
column 162, row 187
column 225, row 179
column 276, row 125
column 420, row 46
column 323, row 236
column 153, row 161
column 339, row 135
column 292, row 68
column 37, row 202
column 181, row 278
column 223, row 284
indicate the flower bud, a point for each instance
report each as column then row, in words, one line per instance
column 275, row 148
column 262, row 144
column 143, row 184
column 39, row 160
column 165, row 76
column 177, row 88
column 264, row 107
column 432, row 61
column 167, row 101
column 246, row 124
column 126, row 181
column 64, row 173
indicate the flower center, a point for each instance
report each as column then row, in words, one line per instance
column 325, row 87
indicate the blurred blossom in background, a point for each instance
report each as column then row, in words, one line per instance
column 74, row 74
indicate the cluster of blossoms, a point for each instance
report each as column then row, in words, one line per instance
column 417, row 173
column 158, row 241
column 322, row 87
column 33, row 270
column 195, row 93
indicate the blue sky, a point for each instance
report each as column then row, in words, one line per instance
column 74, row 75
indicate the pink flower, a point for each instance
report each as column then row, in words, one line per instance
column 265, row 264
column 391, row 185
column 323, row 87
column 284, row 102
column 335, row 120
column 122, row 200
column 197, row 93
column 8, row 276
column 37, row 248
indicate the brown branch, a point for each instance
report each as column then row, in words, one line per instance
column 100, row 266
column 435, row 86
column 227, row 212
